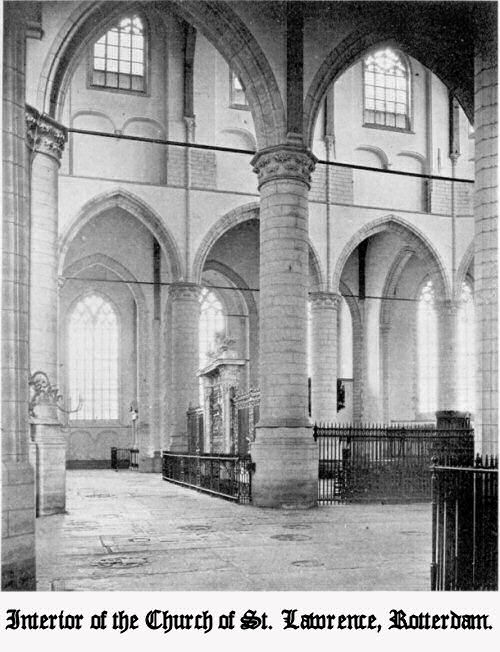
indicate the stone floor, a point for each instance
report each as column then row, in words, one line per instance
column 128, row 531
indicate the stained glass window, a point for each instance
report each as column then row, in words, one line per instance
column 386, row 90
column 427, row 350
column 466, row 350
column 119, row 56
column 93, row 358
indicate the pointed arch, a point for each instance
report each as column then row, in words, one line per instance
column 237, row 216
column 219, row 24
column 463, row 269
column 415, row 239
column 136, row 207
column 433, row 45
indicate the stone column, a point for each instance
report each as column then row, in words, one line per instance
column 284, row 451
column 184, row 341
column 448, row 414
column 324, row 310
column 46, row 139
column 486, row 232
column 18, row 491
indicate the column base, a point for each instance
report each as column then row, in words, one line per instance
column 50, row 469
column 286, row 468
column 148, row 464
column 18, row 527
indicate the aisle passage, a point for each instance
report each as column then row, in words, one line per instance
column 131, row 531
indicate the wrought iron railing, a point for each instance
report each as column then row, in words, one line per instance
column 227, row 476
column 465, row 527
column 124, row 458
column 379, row 463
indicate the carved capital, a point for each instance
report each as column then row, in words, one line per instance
column 184, row 291
column 282, row 163
column 325, row 300
column 44, row 134
column 42, row 392
column 447, row 307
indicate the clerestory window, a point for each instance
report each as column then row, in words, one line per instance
column 93, row 358
column 386, row 90
column 119, row 56
column 238, row 98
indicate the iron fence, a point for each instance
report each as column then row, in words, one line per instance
column 465, row 527
column 227, row 476
column 124, row 458
column 379, row 463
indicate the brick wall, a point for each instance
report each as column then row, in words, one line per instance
column 203, row 168
column 341, row 185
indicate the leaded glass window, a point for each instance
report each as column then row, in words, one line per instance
column 427, row 350
column 93, row 358
column 466, row 350
column 212, row 324
column 386, row 90
column 119, row 56
column 238, row 97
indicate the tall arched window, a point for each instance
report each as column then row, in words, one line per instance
column 427, row 350
column 212, row 323
column 93, row 358
column 386, row 90
column 466, row 350
column 119, row 56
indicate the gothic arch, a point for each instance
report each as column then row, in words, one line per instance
column 463, row 268
column 137, row 208
column 218, row 22
column 233, row 218
column 396, row 30
column 413, row 238
column 101, row 260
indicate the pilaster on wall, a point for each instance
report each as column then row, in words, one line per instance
column 184, row 310
column 486, row 234
column 324, row 308
column 284, row 451
column 46, row 140
column 18, row 492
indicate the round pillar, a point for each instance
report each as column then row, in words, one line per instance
column 184, row 347
column 46, row 139
column 324, row 310
column 284, row 451
column 447, row 313
column 18, row 492
column 486, row 232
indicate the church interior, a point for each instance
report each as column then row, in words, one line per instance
column 284, row 207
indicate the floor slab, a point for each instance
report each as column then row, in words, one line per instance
column 127, row 531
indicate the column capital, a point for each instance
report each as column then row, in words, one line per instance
column 447, row 307
column 184, row 291
column 284, row 162
column 323, row 299
column 44, row 134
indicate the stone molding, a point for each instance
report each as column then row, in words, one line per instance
column 284, row 163
column 184, row 291
column 325, row 300
column 45, row 135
